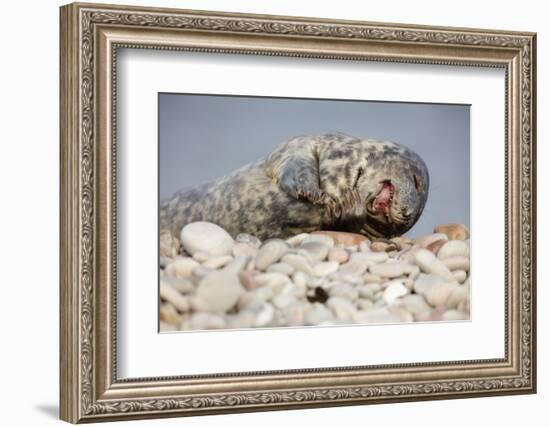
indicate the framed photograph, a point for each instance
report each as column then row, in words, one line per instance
column 267, row 212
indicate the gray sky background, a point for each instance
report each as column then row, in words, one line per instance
column 203, row 137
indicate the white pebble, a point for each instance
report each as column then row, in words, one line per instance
column 430, row 264
column 394, row 291
column 280, row 267
column 270, row 252
column 265, row 316
column 299, row 262
column 217, row 262
column 324, row 268
column 342, row 308
column 173, row 297
column 454, row 248
column 389, row 269
column 181, row 267
column 220, row 290
column 206, row 237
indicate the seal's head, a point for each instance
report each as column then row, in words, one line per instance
column 394, row 189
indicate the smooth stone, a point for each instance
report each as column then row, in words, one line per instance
column 338, row 255
column 364, row 304
column 364, row 246
column 454, row 248
column 217, row 262
column 344, row 290
column 389, row 269
column 299, row 262
column 435, row 314
column 300, row 279
column 438, row 294
column 408, row 255
column 167, row 327
column 168, row 314
column 371, row 278
column 280, row 267
column 317, row 251
column 399, row 310
column 425, row 281
column 244, row 319
column 265, row 316
column 434, row 247
column 207, row 321
column 415, row 304
column 264, row 294
column 394, row 291
column 321, row 238
column 181, row 267
column 426, row 240
column 457, row 263
column 200, row 272
column 246, row 300
column 453, row 231
column 430, row 264
column 276, row 281
column 346, row 277
column 201, row 256
column 370, row 257
column 369, row 290
column 247, row 280
column 270, row 252
column 324, row 268
column 284, row 300
column 294, row 314
column 380, row 246
column 317, row 314
column 183, row 285
column 455, row 315
column 206, row 237
column 354, row 266
column 244, row 249
column 342, row 237
column 220, row 290
column 164, row 261
column 248, row 239
column 377, row 315
column 197, row 304
column 169, row 294
column 412, row 271
column 460, row 276
column 342, row 308
column 297, row 240
column 238, row 264
column 459, row 294
column 168, row 244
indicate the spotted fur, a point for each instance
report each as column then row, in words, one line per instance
column 308, row 183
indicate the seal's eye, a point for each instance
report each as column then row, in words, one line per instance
column 416, row 182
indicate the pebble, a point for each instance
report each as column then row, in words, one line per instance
column 394, row 291
column 438, row 294
column 317, row 314
column 248, row 239
column 281, row 267
column 317, row 251
column 342, row 237
column 270, row 252
column 460, row 276
column 181, row 267
column 338, row 255
column 172, row 296
column 321, row 238
column 425, row 241
column 318, row 278
column 457, row 263
column 244, row 249
column 325, row 268
column 220, row 290
column 430, row 264
column 275, row 281
column 217, row 262
column 168, row 245
column 206, row 237
column 458, row 295
column 389, row 269
column 454, row 248
column 342, row 308
column 168, row 314
column 453, row 231
column 299, row 263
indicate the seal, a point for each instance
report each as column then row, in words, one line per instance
column 319, row 182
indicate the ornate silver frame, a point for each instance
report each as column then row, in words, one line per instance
column 90, row 36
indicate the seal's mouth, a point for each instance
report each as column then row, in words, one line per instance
column 383, row 200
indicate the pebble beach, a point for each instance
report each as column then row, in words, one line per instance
column 210, row 280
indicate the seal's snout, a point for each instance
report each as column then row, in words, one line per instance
column 383, row 200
